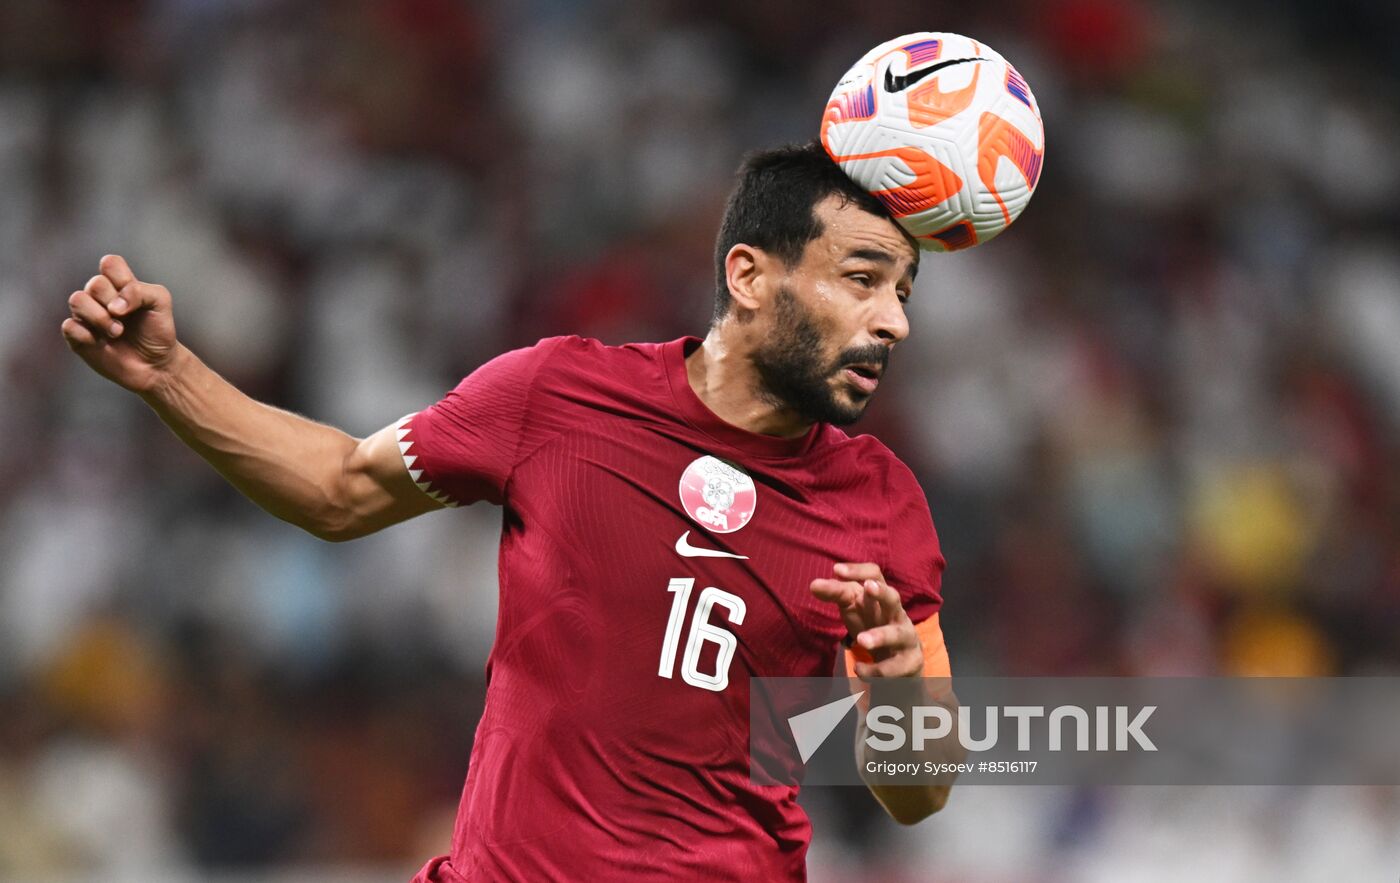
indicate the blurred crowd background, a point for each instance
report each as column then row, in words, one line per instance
column 1158, row 421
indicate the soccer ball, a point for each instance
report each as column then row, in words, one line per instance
column 943, row 131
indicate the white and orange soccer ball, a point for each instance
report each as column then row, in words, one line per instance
column 943, row 131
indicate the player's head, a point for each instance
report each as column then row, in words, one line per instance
column 811, row 273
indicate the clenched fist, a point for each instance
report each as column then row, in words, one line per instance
column 122, row 327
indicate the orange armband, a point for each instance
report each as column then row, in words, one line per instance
column 935, row 651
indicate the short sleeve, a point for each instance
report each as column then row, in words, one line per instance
column 464, row 448
column 914, row 566
column 915, row 558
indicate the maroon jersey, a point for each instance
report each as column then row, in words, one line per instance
column 653, row 559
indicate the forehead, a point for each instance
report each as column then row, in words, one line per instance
column 846, row 227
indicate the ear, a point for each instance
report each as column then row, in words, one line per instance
column 750, row 273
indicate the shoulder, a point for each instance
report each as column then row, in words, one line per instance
column 570, row 372
column 875, row 457
column 571, row 355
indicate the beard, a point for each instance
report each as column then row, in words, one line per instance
column 793, row 372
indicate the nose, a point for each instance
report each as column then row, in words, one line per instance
column 888, row 323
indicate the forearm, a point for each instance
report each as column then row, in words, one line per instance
column 938, row 759
column 903, row 670
column 908, row 804
column 291, row 466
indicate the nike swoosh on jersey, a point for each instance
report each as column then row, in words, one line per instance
column 686, row 550
column 904, row 81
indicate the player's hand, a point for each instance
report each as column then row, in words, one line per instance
column 122, row 327
column 876, row 620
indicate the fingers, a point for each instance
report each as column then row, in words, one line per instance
column 115, row 268
column 903, row 665
column 876, row 609
column 846, row 596
column 859, row 572
column 838, row 591
column 874, row 614
column 895, row 649
column 101, row 289
column 76, row 334
column 881, row 602
column 860, row 589
column 871, row 611
column 122, row 293
column 139, row 296
column 93, row 314
column 890, row 638
column 885, row 596
column 118, row 289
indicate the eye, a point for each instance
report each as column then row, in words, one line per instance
column 903, row 296
column 862, row 279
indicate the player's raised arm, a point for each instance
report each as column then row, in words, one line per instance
column 886, row 644
column 312, row 475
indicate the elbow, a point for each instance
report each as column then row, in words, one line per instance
column 339, row 531
column 934, row 798
column 331, row 534
column 333, row 524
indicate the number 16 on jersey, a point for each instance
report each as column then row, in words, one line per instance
column 701, row 631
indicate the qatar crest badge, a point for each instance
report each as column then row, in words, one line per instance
column 718, row 495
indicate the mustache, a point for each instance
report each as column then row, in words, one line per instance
column 873, row 354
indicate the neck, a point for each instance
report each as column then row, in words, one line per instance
column 724, row 378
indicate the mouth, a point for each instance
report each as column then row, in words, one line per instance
column 865, row 377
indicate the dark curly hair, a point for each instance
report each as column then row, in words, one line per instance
column 772, row 206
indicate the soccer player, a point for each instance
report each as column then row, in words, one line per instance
column 678, row 518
